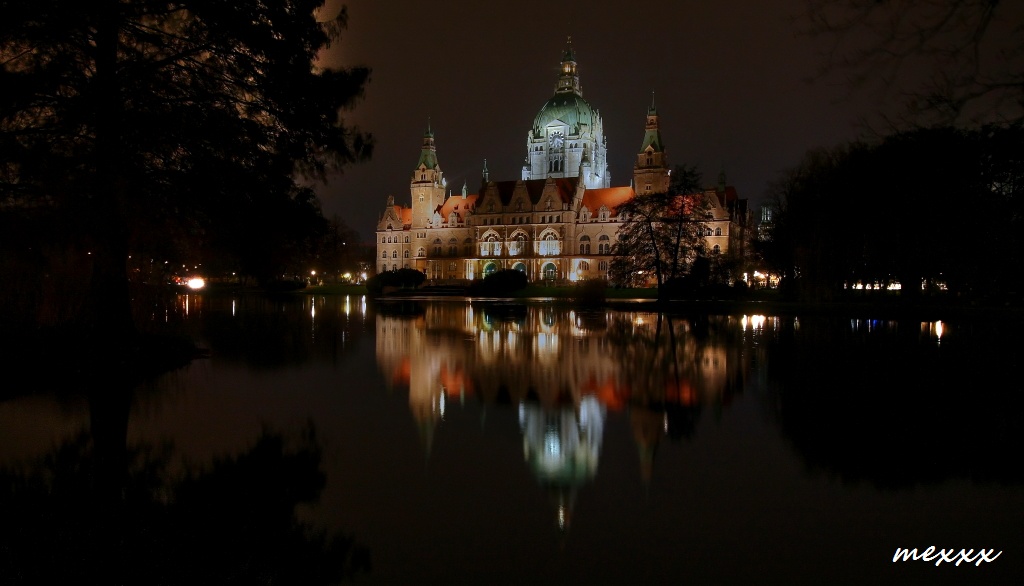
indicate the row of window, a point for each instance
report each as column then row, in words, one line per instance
column 549, row 246
column 549, row 270
column 525, row 220
column 516, row 220
column 492, row 246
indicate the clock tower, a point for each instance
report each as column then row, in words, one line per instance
column 567, row 136
column 427, row 184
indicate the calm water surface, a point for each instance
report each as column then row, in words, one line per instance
column 485, row 442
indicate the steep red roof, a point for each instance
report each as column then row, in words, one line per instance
column 610, row 197
column 405, row 214
column 458, row 205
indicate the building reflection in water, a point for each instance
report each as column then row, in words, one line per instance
column 565, row 369
column 562, row 446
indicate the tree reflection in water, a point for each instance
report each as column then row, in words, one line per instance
column 95, row 512
column 886, row 402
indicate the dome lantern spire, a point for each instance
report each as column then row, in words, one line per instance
column 568, row 78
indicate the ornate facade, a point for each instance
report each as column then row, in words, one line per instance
column 557, row 223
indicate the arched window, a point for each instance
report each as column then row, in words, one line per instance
column 405, row 254
column 421, row 253
column 718, row 231
column 584, row 265
column 549, row 245
column 603, row 265
column 491, row 246
column 716, row 249
column 407, row 240
column 517, row 245
column 383, row 240
column 394, row 254
column 549, row 271
column 604, row 245
column 384, row 255
column 584, row 244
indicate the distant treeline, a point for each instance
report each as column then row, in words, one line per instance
column 942, row 206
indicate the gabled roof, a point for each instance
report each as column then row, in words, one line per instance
column 457, row 204
column 610, row 197
column 724, row 198
column 564, row 188
column 405, row 215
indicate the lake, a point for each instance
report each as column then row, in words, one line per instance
column 483, row 442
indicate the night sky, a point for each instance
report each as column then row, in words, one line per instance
column 729, row 79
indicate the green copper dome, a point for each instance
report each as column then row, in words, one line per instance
column 567, row 107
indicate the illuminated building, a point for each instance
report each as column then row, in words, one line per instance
column 558, row 222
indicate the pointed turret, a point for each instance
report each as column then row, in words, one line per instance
column 651, row 172
column 652, row 133
column 428, row 152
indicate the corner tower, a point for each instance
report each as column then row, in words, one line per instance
column 567, row 132
column 427, row 184
column 650, row 171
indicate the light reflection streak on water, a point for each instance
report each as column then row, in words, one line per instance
column 934, row 329
column 755, row 322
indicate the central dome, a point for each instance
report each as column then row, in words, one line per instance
column 567, row 107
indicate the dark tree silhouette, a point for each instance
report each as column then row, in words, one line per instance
column 662, row 233
column 141, row 122
column 939, row 207
column 78, row 514
column 957, row 60
column 503, row 282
